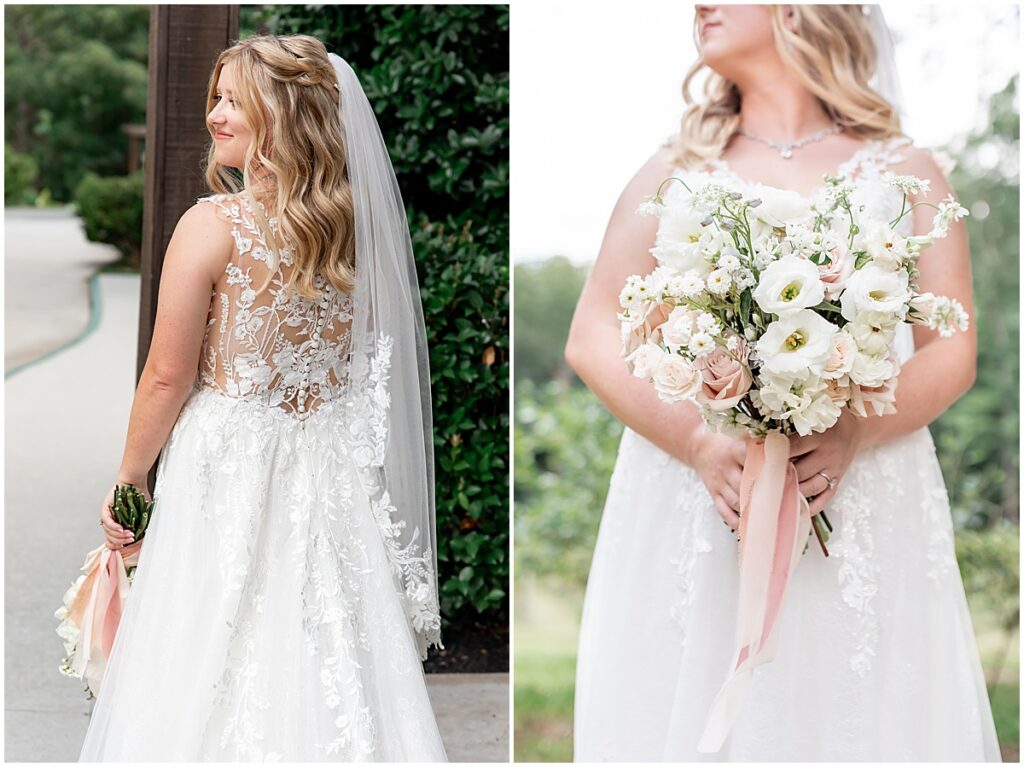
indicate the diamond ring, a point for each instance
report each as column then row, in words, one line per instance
column 831, row 482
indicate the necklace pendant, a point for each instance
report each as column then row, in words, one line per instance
column 786, row 152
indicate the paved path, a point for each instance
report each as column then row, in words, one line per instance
column 47, row 265
column 66, row 417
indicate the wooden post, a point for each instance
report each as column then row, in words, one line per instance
column 184, row 42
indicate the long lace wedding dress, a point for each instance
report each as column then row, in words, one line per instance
column 877, row 658
column 271, row 614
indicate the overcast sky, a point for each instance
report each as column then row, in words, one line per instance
column 596, row 89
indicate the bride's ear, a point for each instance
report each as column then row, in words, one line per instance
column 790, row 17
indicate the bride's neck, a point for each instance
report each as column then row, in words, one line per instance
column 780, row 108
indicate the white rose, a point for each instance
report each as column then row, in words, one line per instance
column 808, row 404
column 844, row 349
column 676, row 379
column 818, row 412
column 798, row 343
column 645, row 359
column 872, row 334
column 872, row 370
column 789, row 285
column 887, row 249
column 872, row 289
column 678, row 328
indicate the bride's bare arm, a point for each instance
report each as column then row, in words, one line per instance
column 941, row 370
column 593, row 349
column 196, row 256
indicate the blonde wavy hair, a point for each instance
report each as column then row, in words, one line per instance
column 831, row 51
column 289, row 94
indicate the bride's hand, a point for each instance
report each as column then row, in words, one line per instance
column 828, row 454
column 719, row 462
column 116, row 536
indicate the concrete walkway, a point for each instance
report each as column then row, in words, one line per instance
column 66, row 418
column 47, row 265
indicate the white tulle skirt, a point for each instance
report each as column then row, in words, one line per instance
column 877, row 658
column 263, row 623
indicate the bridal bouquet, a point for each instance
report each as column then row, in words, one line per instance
column 773, row 314
column 91, row 608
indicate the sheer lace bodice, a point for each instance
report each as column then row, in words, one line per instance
column 271, row 345
column 864, row 169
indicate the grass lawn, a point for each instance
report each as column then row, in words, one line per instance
column 545, row 663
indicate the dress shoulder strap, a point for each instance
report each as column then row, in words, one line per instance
column 877, row 156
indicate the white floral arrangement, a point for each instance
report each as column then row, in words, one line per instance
column 775, row 313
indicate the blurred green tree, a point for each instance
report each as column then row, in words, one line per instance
column 977, row 437
column 73, row 75
column 546, row 293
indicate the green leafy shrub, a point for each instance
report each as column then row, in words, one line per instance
column 437, row 77
column 20, row 172
column 565, row 448
column 111, row 209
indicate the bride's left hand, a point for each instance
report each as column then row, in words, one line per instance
column 829, row 453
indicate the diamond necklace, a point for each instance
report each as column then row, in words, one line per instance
column 786, row 149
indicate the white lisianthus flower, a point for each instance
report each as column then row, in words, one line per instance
column 796, row 344
column 922, row 307
column 678, row 244
column 873, row 289
column 789, row 285
column 677, row 329
column 701, row 343
column 844, row 350
column 872, row 370
column 675, row 378
column 778, row 207
column 719, row 282
column 888, row 250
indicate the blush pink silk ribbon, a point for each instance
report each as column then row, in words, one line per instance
column 775, row 522
column 97, row 607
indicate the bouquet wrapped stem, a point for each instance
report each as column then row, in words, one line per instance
column 92, row 607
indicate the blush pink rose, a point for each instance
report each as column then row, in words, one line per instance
column 835, row 272
column 726, row 377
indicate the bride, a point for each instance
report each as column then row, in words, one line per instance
column 877, row 659
column 285, row 592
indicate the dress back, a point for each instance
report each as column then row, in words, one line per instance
column 269, row 343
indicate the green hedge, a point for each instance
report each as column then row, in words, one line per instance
column 20, row 172
column 111, row 209
column 437, row 77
